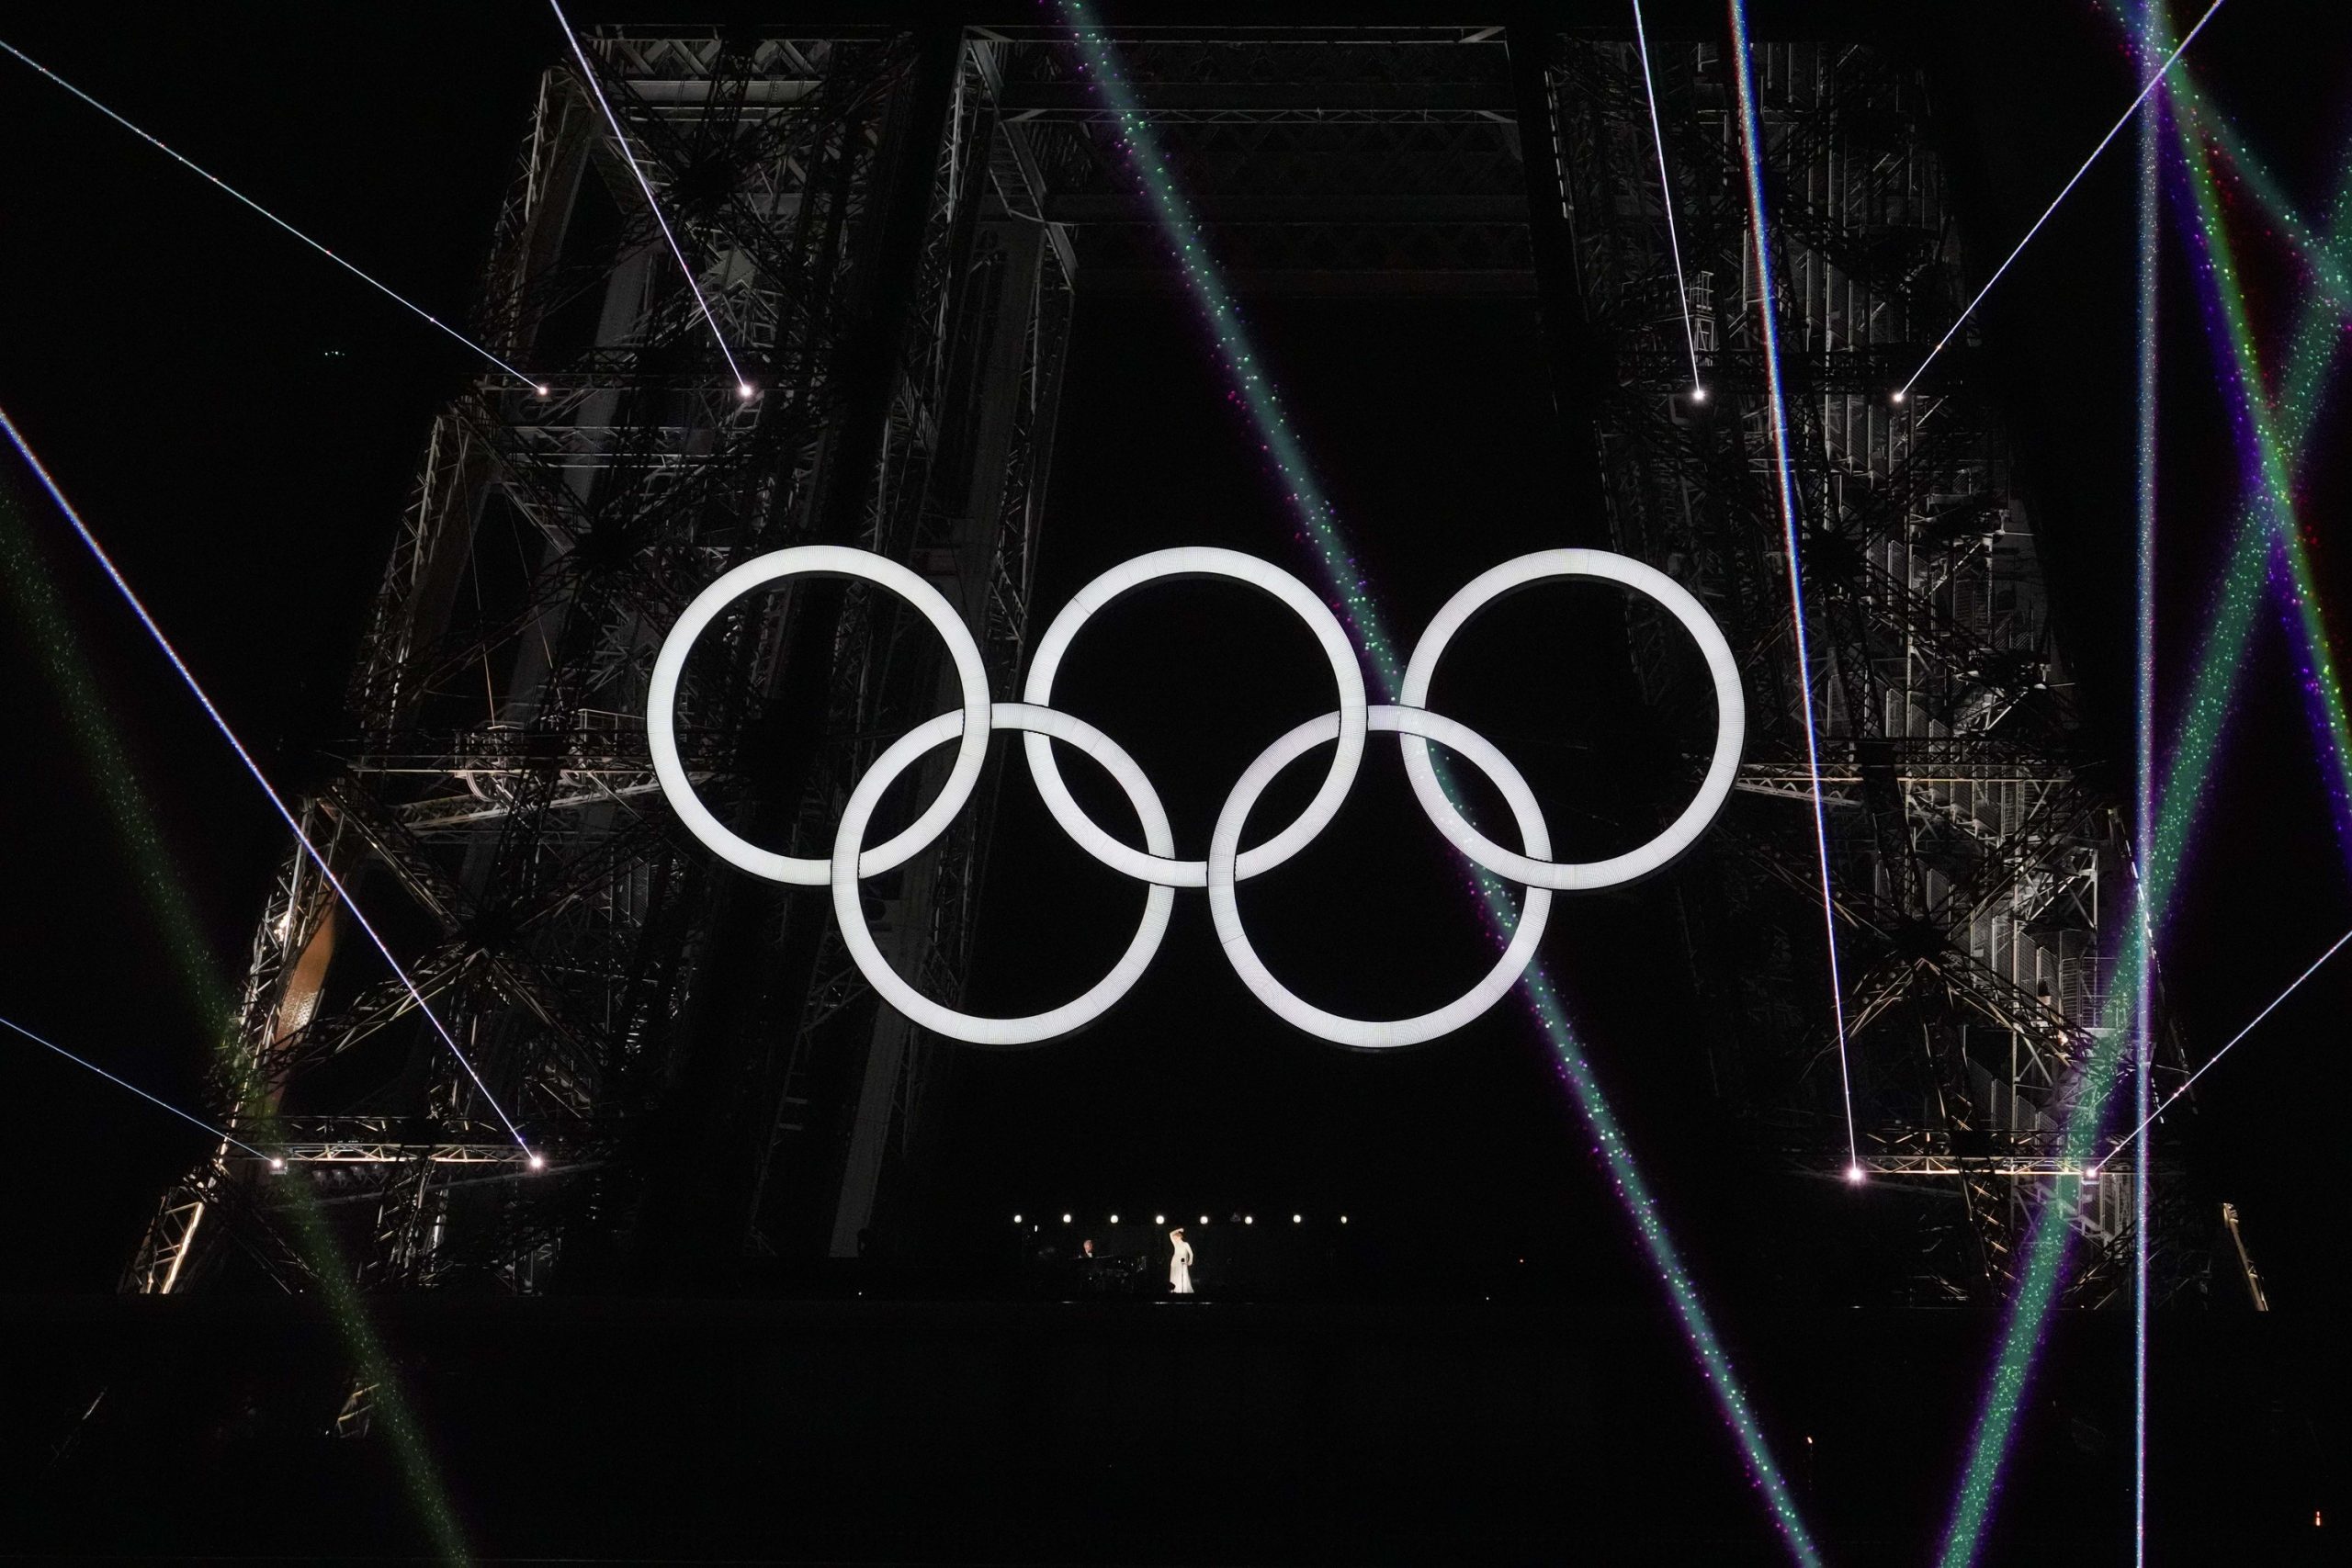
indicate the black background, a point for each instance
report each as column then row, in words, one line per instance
column 238, row 421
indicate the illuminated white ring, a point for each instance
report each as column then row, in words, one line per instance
column 1198, row 560
column 1002, row 1033
column 819, row 561
column 1364, row 1035
column 1731, row 720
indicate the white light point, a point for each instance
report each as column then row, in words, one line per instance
column 1298, row 1219
column 1115, row 1219
column 1016, row 1219
column 1160, row 1219
column 1899, row 397
column 1854, row 1175
column 744, row 389
column 1698, row 394
column 277, row 1164
column 538, row 1162
column 1065, row 1219
column 544, row 390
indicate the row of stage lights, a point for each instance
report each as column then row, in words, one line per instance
column 1162, row 1219
column 1696, row 394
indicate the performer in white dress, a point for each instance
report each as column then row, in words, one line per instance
column 1179, row 1263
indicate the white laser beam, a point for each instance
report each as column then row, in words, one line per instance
column 187, row 675
column 2112, row 130
column 370, row 279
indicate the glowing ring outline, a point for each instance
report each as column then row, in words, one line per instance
column 819, row 560
column 1000, row 1034
column 1197, row 560
column 1731, row 719
column 1368, row 1035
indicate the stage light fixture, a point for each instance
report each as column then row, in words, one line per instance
column 1016, row 1219
column 1205, row 1219
column 1296, row 1219
column 744, row 390
column 1343, row 1219
column 1897, row 398
column 1854, row 1175
column 544, row 392
column 1115, row 1219
column 1065, row 1219
column 538, row 1162
column 276, row 1164
column 1248, row 1219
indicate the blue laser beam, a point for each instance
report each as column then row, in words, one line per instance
column 369, row 278
column 138, row 607
column 275, row 1163
column 1666, row 199
column 620, row 140
column 2112, row 130
column 1751, row 138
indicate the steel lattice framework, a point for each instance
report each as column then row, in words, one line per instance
column 854, row 216
column 1981, row 881
column 890, row 221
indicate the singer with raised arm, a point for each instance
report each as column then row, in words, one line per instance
column 1179, row 1263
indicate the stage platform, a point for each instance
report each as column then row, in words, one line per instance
column 620, row 1429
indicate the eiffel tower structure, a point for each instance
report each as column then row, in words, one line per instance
column 891, row 217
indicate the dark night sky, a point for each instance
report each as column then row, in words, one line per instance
column 240, row 420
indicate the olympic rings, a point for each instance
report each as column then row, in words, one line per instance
column 1228, row 864
column 1731, row 725
column 815, row 561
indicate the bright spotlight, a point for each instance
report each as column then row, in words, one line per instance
column 1205, row 1219
column 1065, row 1219
column 538, row 1162
column 1698, row 394
column 1298, row 1219
column 1898, row 397
column 1343, row 1219
column 276, row 1164
column 1160, row 1219
column 1248, row 1219
column 1854, row 1175
column 743, row 390
column 1016, row 1219
column 544, row 390
column 1115, row 1219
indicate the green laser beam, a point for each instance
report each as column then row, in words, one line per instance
column 33, row 599
column 2266, row 523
